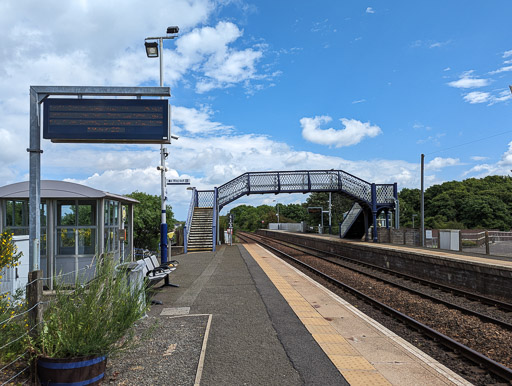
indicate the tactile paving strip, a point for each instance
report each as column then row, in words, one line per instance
column 349, row 362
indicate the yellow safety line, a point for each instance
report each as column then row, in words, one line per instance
column 350, row 363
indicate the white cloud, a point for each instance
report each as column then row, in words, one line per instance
column 358, row 101
column 439, row 44
column 196, row 121
column 506, row 158
column 506, row 54
column 502, row 69
column 439, row 163
column 487, row 97
column 478, row 158
column 502, row 167
column 353, row 133
column 468, row 81
column 370, row 10
column 477, row 97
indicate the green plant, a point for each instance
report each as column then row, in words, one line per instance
column 13, row 325
column 13, row 321
column 94, row 318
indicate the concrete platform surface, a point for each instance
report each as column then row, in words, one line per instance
column 241, row 316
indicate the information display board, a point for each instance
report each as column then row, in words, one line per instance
column 106, row 120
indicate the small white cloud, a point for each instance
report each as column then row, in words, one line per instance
column 439, row 44
column 359, row 101
column 447, row 69
column 508, row 53
column 477, row 97
column 502, row 69
column 353, row 133
column 439, row 163
column 468, row 81
column 503, row 96
column 370, row 10
column 479, row 158
column 196, row 121
column 486, row 97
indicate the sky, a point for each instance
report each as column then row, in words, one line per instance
column 360, row 86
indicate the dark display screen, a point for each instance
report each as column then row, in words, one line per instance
column 106, row 120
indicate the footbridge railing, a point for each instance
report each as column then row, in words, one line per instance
column 305, row 181
column 372, row 197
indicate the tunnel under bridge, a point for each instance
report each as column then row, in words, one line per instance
column 370, row 199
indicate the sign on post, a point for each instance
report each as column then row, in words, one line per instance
column 178, row 181
column 106, row 120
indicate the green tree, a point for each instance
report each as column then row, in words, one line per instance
column 147, row 219
column 340, row 205
column 409, row 201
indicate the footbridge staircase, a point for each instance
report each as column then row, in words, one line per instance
column 369, row 199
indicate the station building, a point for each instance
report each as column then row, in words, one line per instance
column 78, row 224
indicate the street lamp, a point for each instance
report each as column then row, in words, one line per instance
column 153, row 46
column 151, row 49
column 277, row 214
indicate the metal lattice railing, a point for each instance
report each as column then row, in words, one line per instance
column 303, row 182
column 385, row 193
column 205, row 198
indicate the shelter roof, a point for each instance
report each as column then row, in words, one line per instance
column 51, row 189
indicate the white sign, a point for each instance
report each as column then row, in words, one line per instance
column 178, row 181
column 428, row 234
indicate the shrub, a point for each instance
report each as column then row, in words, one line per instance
column 94, row 318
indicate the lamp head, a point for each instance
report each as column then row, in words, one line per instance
column 173, row 29
column 151, row 49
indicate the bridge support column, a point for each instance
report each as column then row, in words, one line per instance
column 374, row 213
column 386, row 211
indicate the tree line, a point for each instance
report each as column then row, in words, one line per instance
column 473, row 203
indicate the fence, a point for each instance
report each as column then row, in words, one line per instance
column 496, row 243
column 24, row 315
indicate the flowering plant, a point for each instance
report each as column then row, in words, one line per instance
column 13, row 321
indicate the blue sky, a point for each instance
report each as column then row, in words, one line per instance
column 365, row 87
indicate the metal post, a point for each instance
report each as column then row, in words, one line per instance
column 34, row 181
column 330, row 206
column 374, row 212
column 422, row 202
column 163, row 225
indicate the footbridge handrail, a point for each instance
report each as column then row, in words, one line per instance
column 304, row 181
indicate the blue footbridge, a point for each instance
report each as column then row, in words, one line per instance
column 370, row 199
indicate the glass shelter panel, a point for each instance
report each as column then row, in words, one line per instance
column 66, row 213
column 66, row 241
column 86, row 213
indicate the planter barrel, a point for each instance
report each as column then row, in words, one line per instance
column 71, row 371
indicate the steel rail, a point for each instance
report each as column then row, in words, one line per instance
column 494, row 367
column 483, row 317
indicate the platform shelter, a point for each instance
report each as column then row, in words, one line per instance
column 78, row 223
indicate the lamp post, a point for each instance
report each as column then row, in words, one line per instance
column 277, row 214
column 153, row 46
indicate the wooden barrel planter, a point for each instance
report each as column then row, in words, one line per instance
column 71, row 371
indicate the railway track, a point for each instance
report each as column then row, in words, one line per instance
column 309, row 259
column 487, row 309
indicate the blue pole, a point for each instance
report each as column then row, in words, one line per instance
column 163, row 242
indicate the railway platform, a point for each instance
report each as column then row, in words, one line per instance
column 242, row 316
